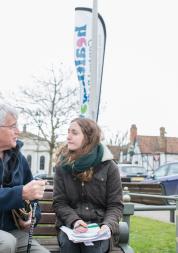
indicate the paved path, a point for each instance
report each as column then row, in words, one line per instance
column 157, row 215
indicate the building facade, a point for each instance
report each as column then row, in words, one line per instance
column 36, row 150
column 148, row 151
column 152, row 151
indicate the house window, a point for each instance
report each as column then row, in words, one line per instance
column 29, row 160
column 42, row 162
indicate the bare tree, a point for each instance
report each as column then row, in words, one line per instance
column 49, row 106
column 118, row 138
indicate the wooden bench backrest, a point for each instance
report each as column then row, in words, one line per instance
column 46, row 226
column 152, row 189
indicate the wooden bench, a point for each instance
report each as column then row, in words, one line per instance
column 45, row 232
column 149, row 188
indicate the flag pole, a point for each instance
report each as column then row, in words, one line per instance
column 94, row 70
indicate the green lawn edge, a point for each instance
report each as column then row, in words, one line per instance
column 152, row 236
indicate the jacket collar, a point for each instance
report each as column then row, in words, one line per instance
column 15, row 150
column 107, row 155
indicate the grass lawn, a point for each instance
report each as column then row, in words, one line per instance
column 151, row 236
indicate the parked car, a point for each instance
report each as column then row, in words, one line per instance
column 132, row 172
column 167, row 169
column 167, row 176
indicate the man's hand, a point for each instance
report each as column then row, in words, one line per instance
column 34, row 190
column 25, row 224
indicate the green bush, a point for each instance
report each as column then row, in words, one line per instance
column 151, row 236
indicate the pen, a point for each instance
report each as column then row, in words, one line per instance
column 88, row 226
column 93, row 226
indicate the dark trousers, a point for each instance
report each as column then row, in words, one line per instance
column 68, row 246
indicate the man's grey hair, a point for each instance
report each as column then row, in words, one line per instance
column 5, row 110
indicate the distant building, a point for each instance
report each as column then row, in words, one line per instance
column 119, row 153
column 152, row 151
column 36, row 150
column 149, row 151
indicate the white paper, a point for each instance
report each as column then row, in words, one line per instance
column 87, row 237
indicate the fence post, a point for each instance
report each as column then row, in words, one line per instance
column 172, row 216
column 128, row 207
column 176, row 225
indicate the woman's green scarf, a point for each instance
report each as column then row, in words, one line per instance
column 85, row 162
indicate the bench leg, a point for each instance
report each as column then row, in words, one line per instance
column 172, row 216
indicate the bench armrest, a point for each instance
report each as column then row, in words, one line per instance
column 123, row 232
column 121, row 238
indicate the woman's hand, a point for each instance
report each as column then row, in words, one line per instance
column 80, row 226
column 103, row 229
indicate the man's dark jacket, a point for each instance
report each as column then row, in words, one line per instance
column 14, row 174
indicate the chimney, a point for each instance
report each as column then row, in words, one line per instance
column 162, row 140
column 133, row 134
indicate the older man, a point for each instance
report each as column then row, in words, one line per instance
column 16, row 185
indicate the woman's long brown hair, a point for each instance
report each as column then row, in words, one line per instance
column 92, row 137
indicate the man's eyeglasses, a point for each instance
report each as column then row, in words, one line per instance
column 13, row 126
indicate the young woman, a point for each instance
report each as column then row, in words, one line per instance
column 87, row 187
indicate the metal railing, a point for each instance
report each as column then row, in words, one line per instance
column 171, row 207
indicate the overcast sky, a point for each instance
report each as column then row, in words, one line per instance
column 140, row 76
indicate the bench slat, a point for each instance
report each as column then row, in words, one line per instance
column 45, row 230
column 48, row 195
column 46, row 207
column 48, row 218
column 153, row 189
